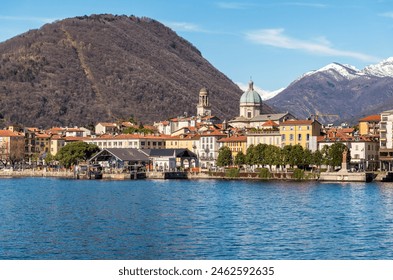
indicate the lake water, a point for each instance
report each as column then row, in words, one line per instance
column 43, row 218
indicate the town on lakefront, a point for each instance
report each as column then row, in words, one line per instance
column 253, row 145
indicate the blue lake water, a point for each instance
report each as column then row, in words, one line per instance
column 43, row 218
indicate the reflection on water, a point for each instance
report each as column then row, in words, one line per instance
column 208, row 219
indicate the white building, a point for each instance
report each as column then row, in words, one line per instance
column 386, row 140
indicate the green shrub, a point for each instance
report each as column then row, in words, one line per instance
column 264, row 173
column 232, row 173
column 298, row 174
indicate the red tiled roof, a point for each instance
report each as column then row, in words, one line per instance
column 270, row 123
column 234, row 139
column 9, row 133
column 372, row 118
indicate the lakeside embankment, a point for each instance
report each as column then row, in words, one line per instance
column 308, row 176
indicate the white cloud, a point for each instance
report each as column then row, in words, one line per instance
column 35, row 19
column 303, row 4
column 184, row 26
column 387, row 14
column 319, row 46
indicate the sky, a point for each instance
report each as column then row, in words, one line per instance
column 271, row 42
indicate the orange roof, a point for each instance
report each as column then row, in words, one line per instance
column 372, row 118
column 270, row 123
column 9, row 133
column 42, row 135
column 74, row 130
column 234, row 139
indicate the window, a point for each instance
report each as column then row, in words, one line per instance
column 290, row 137
column 308, row 137
column 142, row 143
column 282, row 137
column 291, row 128
column 249, row 115
column 299, row 137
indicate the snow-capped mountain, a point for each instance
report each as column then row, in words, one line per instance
column 382, row 69
column 338, row 71
column 338, row 89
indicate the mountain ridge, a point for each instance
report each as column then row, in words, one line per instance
column 82, row 70
column 338, row 89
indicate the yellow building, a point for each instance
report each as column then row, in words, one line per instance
column 235, row 143
column 190, row 142
column 42, row 143
column 300, row 132
column 369, row 125
column 56, row 143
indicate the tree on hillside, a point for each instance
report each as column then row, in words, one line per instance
column 224, row 157
column 74, row 152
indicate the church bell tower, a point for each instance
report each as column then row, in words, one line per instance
column 203, row 107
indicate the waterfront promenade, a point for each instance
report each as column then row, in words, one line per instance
column 118, row 175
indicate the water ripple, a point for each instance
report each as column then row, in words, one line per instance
column 66, row 219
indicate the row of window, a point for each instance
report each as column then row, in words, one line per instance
column 292, row 137
column 130, row 144
column 292, row 128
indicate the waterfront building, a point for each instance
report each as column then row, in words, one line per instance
column 208, row 147
column 386, row 140
column 269, row 134
column 138, row 141
column 300, row 132
column 250, row 111
column 42, row 143
column 120, row 158
column 56, row 143
column 12, row 146
column 183, row 141
column 236, row 144
column 30, row 143
column 370, row 125
column 364, row 150
column 171, row 159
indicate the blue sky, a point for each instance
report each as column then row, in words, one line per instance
column 274, row 42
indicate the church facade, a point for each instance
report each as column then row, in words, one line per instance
column 250, row 113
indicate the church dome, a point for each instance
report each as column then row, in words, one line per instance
column 250, row 96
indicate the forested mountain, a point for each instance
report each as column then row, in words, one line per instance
column 87, row 69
